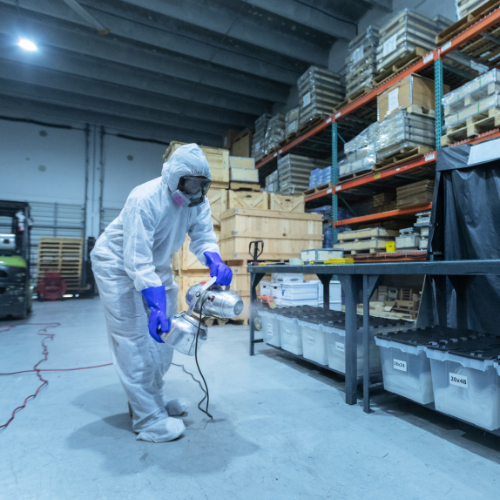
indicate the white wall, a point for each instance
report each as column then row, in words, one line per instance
column 48, row 167
column 128, row 163
column 40, row 163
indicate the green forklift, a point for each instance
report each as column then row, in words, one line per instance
column 15, row 288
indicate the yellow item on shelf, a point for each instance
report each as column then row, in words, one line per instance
column 390, row 246
column 340, row 261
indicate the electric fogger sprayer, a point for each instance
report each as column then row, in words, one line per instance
column 188, row 329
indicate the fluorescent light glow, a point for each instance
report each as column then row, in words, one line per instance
column 26, row 44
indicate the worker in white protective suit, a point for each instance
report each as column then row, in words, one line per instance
column 132, row 266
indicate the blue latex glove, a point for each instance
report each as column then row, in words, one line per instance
column 218, row 268
column 156, row 299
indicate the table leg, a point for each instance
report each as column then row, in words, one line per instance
column 325, row 280
column 254, row 281
column 351, row 285
column 369, row 285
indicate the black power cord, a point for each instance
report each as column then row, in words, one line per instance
column 204, row 389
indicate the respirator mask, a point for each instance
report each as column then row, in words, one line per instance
column 191, row 190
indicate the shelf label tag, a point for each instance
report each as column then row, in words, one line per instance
column 275, row 154
column 357, row 55
column 428, row 57
column 390, row 45
column 280, row 151
column 306, row 100
column 338, row 114
column 338, row 188
column 458, row 380
column 446, row 46
column 400, row 365
column 329, row 191
column 329, row 120
column 339, row 346
column 377, row 175
column 430, row 156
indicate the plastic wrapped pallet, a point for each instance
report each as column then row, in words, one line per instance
column 259, row 136
column 272, row 182
column 275, row 133
column 292, row 121
column 402, row 35
column 404, row 130
column 320, row 176
column 361, row 152
column 361, row 62
column 294, row 172
column 319, row 92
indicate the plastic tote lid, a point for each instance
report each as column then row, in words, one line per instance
column 428, row 336
column 479, row 346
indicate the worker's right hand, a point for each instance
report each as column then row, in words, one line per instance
column 156, row 299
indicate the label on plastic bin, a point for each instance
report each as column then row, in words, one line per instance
column 339, row 346
column 458, row 380
column 400, row 365
column 310, row 339
column 390, row 45
column 306, row 100
column 269, row 330
column 357, row 55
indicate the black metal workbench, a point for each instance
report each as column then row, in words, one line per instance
column 363, row 278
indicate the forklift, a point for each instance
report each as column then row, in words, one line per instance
column 15, row 290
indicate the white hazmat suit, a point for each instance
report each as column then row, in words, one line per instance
column 134, row 253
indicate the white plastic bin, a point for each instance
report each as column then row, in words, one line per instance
column 265, row 288
column 466, row 388
column 276, row 293
column 270, row 327
column 299, row 291
column 335, row 335
column 291, row 337
column 287, row 277
column 313, row 342
column 406, row 370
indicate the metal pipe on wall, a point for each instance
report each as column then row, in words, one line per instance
column 101, row 176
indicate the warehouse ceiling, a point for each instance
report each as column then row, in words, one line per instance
column 165, row 69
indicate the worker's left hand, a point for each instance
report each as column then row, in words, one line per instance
column 219, row 269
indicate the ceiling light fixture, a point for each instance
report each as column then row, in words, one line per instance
column 28, row 45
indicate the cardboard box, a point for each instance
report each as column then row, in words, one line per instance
column 244, row 174
column 228, row 138
column 414, row 89
column 238, row 162
column 242, row 144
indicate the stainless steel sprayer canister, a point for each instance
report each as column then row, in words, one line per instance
column 206, row 300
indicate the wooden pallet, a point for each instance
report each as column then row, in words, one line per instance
column 318, row 188
column 473, row 126
column 403, row 155
column 354, row 97
column 244, row 186
column 63, row 256
column 466, row 22
column 355, row 175
column 403, row 62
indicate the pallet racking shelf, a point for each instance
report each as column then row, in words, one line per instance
column 391, row 214
column 474, row 42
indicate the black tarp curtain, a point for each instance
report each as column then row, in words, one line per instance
column 465, row 225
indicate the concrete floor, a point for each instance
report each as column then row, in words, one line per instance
column 281, row 429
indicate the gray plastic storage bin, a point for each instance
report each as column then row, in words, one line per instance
column 314, row 345
column 466, row 381
column 406, row 368
column 270, row 327
column 335, row 334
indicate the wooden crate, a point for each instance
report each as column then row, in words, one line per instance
column 284, row 234
column 218, row 204
column 218, row 161
column 184, row 282
column 287, row 203
column 241, row 280
column 248, row 199
column 61, row 255
column 185, row 262
column 242, row 144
